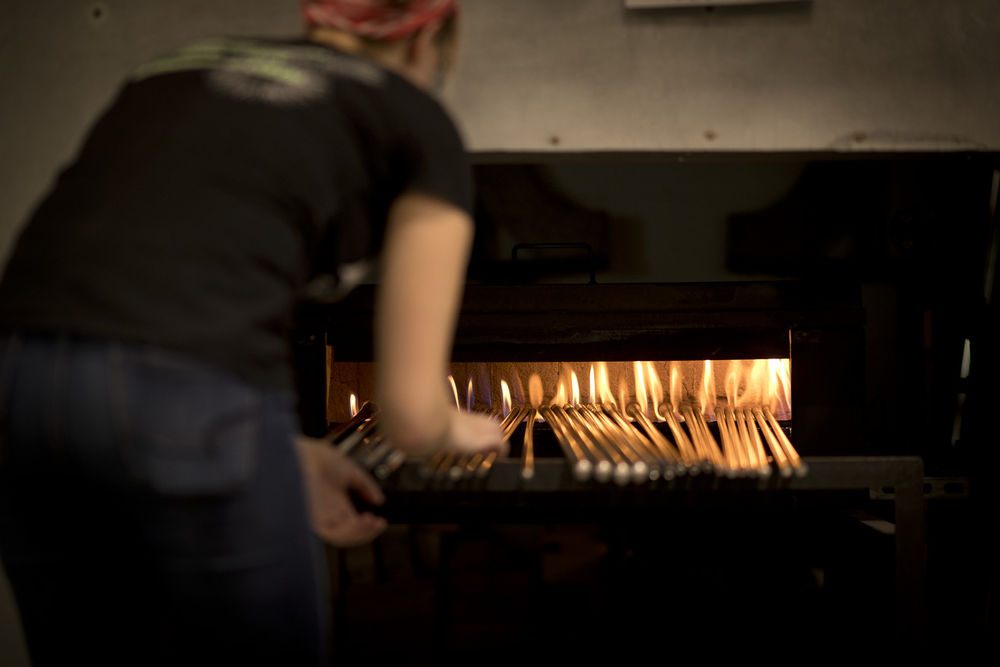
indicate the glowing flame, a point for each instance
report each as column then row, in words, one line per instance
column 593, row 386
column 640, row 387
column 707, row 395
column 779, row 391
column 655, row 390
column 505, row 397
column 468, row 395
column 353, row 404
column 535, row 391
column 454, row 392
column 575, row 387
column 676, row 389
column 560, row 398
column 604, row 393
column 516, row 390
column 756, row 385
column 733, row 382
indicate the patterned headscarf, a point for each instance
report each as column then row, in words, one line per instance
column 376, row 19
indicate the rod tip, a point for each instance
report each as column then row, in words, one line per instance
column 622, row 474
column 602, row 471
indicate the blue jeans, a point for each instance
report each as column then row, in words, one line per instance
column 152, row 510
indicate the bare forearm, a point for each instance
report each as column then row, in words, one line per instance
column 424, row 263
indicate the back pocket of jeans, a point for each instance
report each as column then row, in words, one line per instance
column 188, row 430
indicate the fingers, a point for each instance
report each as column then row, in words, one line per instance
column 470, row 433
column 361, row 483
column 351, row 529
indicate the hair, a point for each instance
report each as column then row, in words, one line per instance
column 446, row 39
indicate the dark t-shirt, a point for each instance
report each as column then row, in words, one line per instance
column 222, row 180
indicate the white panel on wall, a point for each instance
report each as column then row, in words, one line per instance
column 582, row 75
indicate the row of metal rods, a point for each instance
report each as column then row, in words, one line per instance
column 603, row 444
column 359, row 439
column 458, row 466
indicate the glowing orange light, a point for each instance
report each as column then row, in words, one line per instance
column 535, row 391
column 707, row 395
column 640, row 387
column 353, row 404
column 593, row 386
column 676, row 389
column 505, row 397
column 655, row 390
column 575, row 388
column 454, row 392
column 560, row 398
column 779, row 391
column 604, row 393
column 468, row 395
column 733, row 375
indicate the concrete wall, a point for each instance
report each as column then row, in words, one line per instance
column 846, row 74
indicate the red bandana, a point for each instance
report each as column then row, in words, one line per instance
column 376, row 19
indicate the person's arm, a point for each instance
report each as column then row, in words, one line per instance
column 424, row 260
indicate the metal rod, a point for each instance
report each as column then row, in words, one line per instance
column 514, row 423
column 672, row 459
column 390, row 464
column 694, row 457
column 728, row 444
column 355, row 437
column 432, row 464
column 473, row 463
column 801, row 469
column 712, row 452
column 742, row 457
column 744, row 435
column 466, row 465
column 684, row 447
column 622, row 469
column 364, row 413
column 765, row 468
column 638, row 468
column 380, row 449
column 444, row 466
column 701, row 463
column 484, row 466
column 511, row 418
column 528, row 468
column 780, row 458
column 635, row 439
column 508, row 426
column 578, row 449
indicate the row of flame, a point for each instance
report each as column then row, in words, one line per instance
column 755, row 383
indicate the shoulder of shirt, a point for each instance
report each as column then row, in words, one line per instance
column 266, row 57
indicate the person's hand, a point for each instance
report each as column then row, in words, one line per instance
column 471, row 432
column 329, row 476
